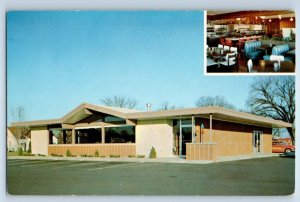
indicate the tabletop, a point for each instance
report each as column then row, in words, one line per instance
column 268, row 66
column 291, row 52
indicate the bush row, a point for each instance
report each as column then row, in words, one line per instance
column 152, row 154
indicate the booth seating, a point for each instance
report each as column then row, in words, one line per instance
column 252, row 50
column 280, row 50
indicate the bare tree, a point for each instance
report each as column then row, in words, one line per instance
column 120, row 101
column 20, row 132
column 274, row 97
column 60, row 137
column 166, row 106
column 276, row 133
column 220, row 101
column 18, row 113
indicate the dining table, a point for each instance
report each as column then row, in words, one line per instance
column 266, row 48
column 217, row 54
column 234, row 41
column 268, row 66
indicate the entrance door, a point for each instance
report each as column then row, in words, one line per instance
column 257, row 142
column 186, row 137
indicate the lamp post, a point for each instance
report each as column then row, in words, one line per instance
column 148, row 105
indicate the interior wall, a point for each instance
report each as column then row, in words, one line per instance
column 277, row 25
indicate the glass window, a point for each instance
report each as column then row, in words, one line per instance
column 59, row 136
column 124, row 134
column 88, row 136
column 114, row 119
column 176, row 123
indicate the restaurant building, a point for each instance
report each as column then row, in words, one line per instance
column 207, row 133
column 251, row 41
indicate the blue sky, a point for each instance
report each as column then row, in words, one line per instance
column 57, row 60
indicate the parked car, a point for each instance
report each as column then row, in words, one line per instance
column 291, row 154
column 282, row 147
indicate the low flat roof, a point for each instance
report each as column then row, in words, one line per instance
column 218, row 113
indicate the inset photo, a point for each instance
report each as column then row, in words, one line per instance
column 250, row 42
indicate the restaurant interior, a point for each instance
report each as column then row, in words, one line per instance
column 250, row 41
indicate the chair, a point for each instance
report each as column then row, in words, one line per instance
column 234, row 49
column 226, row 48
column 250, row 66
column 277, row 57
column 220, row 46
column 230, row 60
column 228, row 42
column 252, row 51
column 280, row 50
column 222, row 41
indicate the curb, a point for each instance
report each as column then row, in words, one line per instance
column 138, row 160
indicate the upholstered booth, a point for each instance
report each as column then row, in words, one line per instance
column 280, row 50
column 252, row 51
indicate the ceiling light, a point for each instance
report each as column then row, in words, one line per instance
column 279, row 16
column 291, row 19
column 270, row 20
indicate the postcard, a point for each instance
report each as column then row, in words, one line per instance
column 151, row 103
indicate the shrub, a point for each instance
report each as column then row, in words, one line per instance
column 28, row 154
column 20, row 151
column 102, row 156
column 140, row 156
column 96, row 153
column 114, row 155
column 57, row 155
column 68, row 153
column 83, row 155
column 131, row 156
column 89, row 155
column 152, row 154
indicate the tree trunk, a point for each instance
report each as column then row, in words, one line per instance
column 290, row 130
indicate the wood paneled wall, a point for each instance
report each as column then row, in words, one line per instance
column 124, row 150
column 276, row 25
column 201, row 151
column 286, row 23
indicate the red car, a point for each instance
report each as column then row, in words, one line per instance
column 282, row 147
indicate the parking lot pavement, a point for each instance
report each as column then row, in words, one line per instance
column 265, row 176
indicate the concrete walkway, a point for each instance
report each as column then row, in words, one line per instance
column 142, row 160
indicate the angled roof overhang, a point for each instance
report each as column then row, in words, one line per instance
column 80, row 113
column 218, row 113
column 85, row 110
column 36, row 123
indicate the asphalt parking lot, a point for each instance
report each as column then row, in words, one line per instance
column 264, row 176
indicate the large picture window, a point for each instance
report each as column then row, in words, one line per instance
column 88, row 136
column 124, row 134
